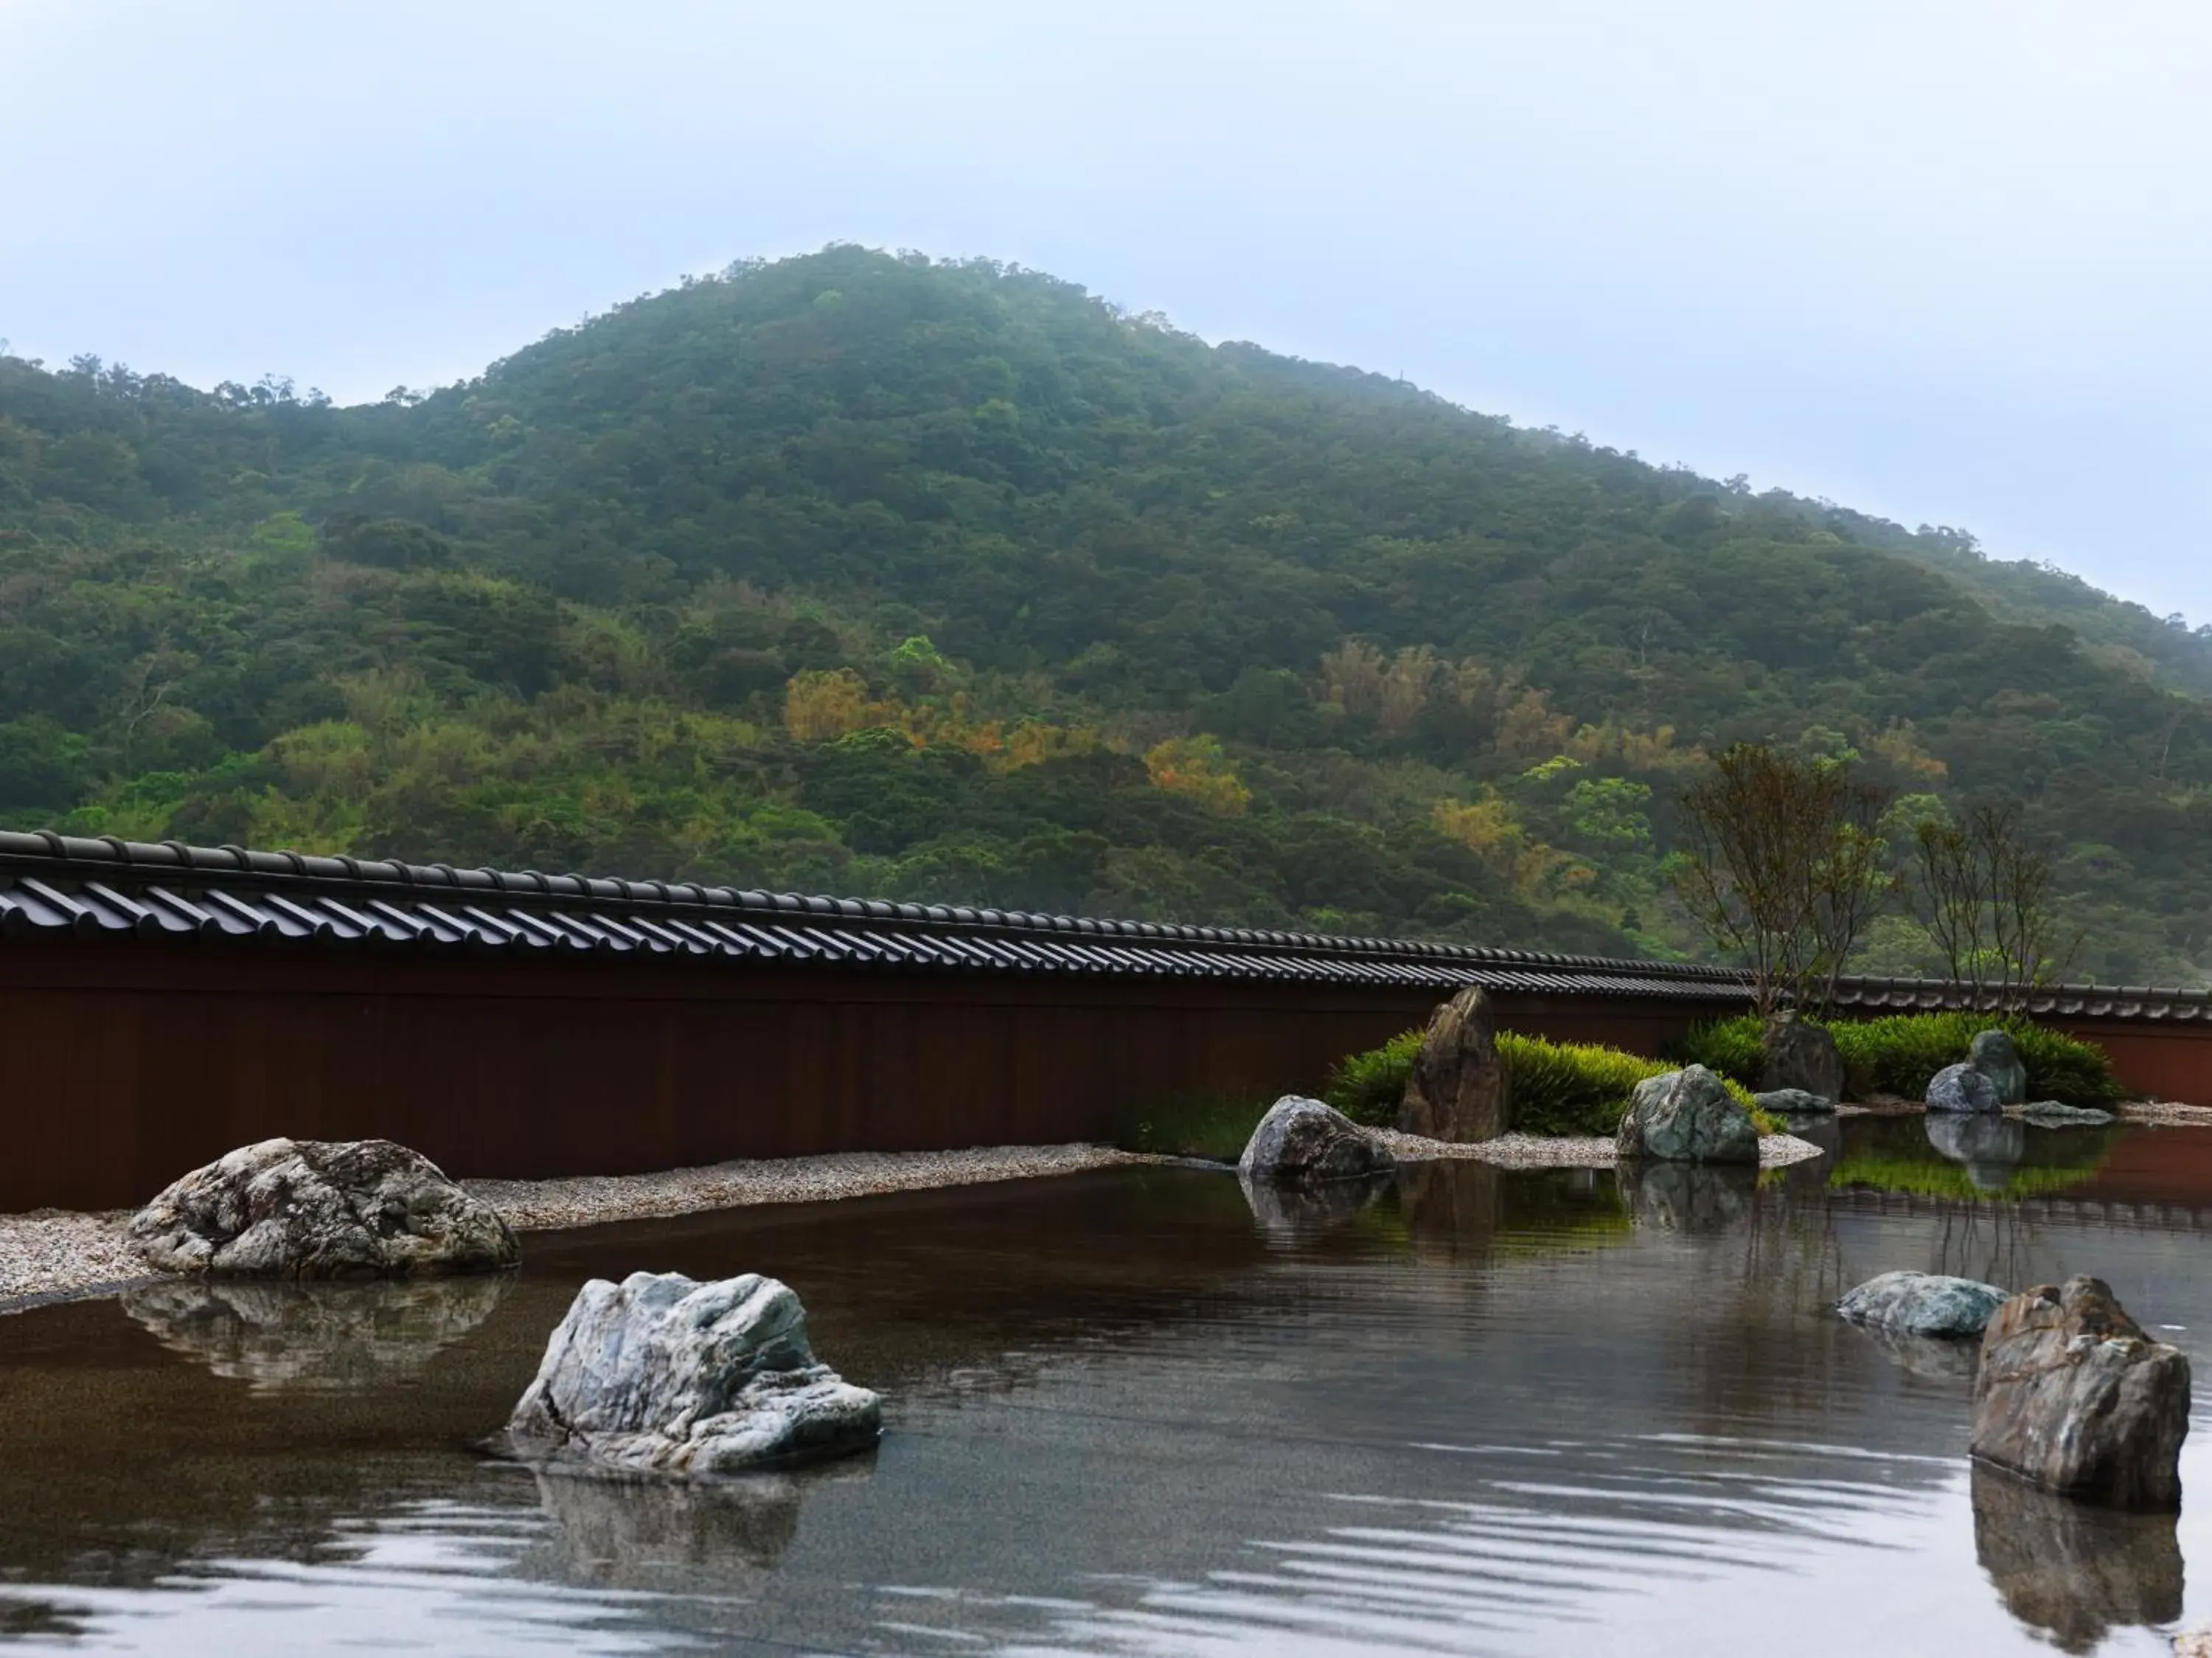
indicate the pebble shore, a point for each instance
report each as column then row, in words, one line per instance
column 1572, row 1150
column 592, row 1199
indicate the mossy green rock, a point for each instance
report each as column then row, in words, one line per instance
column 1687, row 1116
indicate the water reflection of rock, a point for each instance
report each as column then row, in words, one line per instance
column 1689, row 1196
column 718, row 1536
column 1989, row 1145
column 328, row 1337
column 1295, row 1211
column 1950, row 1362
column 2070, row 1569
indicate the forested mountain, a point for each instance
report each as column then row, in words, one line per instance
column 863, row 574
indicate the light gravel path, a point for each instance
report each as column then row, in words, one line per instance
column 1570, row 1150
column 53, row 1253
column 2165, row 1113
column 589, row 1200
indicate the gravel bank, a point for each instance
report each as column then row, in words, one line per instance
column 588, row 1200
column 2165, row 1113
column 1572, row 1150
column 52, row 1253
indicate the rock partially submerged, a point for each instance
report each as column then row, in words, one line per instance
column 321, row 1208
column 1794, row 1102
column 2075, row 1396
column 1962, row 1087
column 663, row 1374
column 1923, row 1304
column 1687, row 1116
column 2056, row 1113
column 1301, row 1140
column 1456, row 1088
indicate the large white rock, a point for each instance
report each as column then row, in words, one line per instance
column 661, row 1372
column 321, row 1208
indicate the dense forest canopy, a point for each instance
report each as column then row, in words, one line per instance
column 866, row 574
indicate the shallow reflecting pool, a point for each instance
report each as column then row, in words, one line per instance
column 1459, row 1411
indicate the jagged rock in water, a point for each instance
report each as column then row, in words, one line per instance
column 1301, row 1140
column 1962, row 1087
column 663, row 1374
column 1923, row 1304
column 2056, row 1113
column 2075, row 1396
column 1794, row 1102
column 1993, row 1055
column 1687, row 1116
column 321, row 1208
column 1457, row 1090
column 1688, row 1196
column 1799, row 1054
column 1989, row 1145
column 2075, row 1570
column 329, row 1337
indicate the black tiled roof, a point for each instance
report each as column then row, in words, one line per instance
column 53, row 885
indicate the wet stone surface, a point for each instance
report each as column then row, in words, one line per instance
column 1450, row 1408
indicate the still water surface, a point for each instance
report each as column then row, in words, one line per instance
column 1468, row 1411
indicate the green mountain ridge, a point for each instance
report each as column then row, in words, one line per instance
column 866, row 574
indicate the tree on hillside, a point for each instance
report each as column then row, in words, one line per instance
column 1782, row 861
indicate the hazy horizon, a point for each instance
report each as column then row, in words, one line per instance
column 1938, row 262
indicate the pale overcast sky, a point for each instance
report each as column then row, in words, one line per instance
column 1945, row 260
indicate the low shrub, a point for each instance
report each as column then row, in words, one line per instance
column 1214, row 1127
column 1897, row 1054
column 1368, row 1086
column 1556, row 1087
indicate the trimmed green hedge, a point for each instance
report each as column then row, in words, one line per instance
column 1556, row 1087
column 1898, row 1055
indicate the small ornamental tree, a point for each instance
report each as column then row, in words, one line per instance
column 1983, row 889
column 1782, row 861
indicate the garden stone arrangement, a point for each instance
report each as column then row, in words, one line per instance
column 662, row 1373
column 321, row 1208
column 1687, row 1116
column 2073, row 1395
column 1301, row 1141
column 1962, row 1087
column 1923, row 1304
column 1457, row 1090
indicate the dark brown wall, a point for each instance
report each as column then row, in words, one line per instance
column 122, row 1066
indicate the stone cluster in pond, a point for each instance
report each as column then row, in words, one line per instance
column 662, row 1373
column 1923, row 1304
column 1962, row 1087
column 2073, row 1395
column 321, row 1208
column 1687, row 1116
column 1302, row 1140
